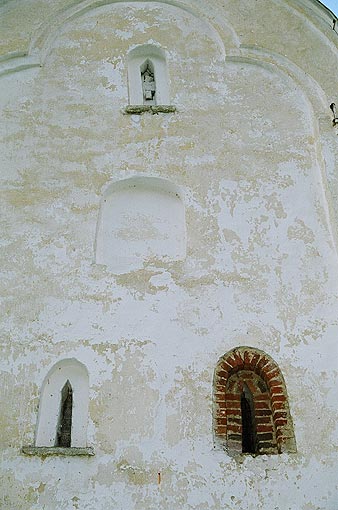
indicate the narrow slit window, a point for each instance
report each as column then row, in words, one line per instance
column 64, row 430
column 248, row 422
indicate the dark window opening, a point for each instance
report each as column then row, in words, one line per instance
column 64, row 430
column 248, row 422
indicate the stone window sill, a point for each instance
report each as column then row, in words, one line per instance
column 43, row 451
column 138, row 109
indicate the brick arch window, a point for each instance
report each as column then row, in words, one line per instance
column 251, row 412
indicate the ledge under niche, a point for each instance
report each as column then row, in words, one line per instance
column 43, row 451
column 138, row 109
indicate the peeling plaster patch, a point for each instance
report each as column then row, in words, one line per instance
column 301, row 231
column 135, row 474
column 113, row 422
column 16, row 492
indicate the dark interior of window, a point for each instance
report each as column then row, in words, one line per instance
column 248, row 422
column 63, row 436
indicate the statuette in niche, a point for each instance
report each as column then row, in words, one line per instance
column 148, row 84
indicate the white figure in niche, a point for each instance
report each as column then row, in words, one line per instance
column 148, row 83
column 148, row 78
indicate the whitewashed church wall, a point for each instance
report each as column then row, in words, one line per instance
column 252, row 261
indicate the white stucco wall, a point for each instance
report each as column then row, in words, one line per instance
column 253, row 152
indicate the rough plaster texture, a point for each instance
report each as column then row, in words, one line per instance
column 252, row 148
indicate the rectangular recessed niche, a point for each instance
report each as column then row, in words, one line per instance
column 148, row 81
column 141, row 219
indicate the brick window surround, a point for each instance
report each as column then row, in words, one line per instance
column 247, row 375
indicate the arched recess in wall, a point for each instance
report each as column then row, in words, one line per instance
column 310, row 92
column 63, row 407
column 250, row 411
column 218, row 25
column 148, row 80
column 141, row 218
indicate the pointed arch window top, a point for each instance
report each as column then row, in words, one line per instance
column 64, row 430
column 63, row 412
column 148, row 81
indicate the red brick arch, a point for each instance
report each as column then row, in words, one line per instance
column 246, row 367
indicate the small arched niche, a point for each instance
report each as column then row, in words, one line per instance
column 63, row 407
column 141, row 218
column 148, row 76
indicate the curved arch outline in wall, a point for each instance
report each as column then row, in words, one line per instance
column 223, row 31
column 317, row 103
column 271, row 427
column 153, row 229
column 226, row 38
column 72, row 372
column 276, row 62
column 41, row 44
column 43, row 41
column 318, row 15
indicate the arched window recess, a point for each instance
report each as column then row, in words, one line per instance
column 148, row 81
column 63, row 410
column 251, row 413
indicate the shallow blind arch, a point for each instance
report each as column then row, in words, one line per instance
column 148, row 80
column 250, row 410
column 141, row 219
column 63, row 406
